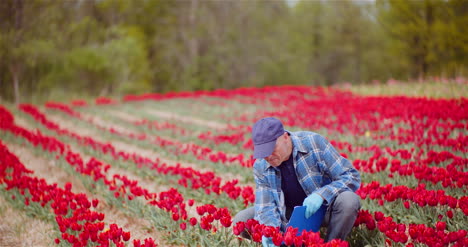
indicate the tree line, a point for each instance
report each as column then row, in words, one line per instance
column 77, row 48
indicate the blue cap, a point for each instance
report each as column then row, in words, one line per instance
column 264, row 134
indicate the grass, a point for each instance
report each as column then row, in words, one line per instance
column 430, row 89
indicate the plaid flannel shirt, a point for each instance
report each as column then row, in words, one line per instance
column 319, row 168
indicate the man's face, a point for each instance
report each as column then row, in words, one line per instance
column 281, row 152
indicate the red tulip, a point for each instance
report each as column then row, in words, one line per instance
column 441, row 226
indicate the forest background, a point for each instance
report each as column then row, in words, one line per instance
column 88, row 48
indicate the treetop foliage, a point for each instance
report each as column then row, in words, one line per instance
column 64, row 49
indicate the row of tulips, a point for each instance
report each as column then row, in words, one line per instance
column 73, row 212
column 448, row 126
column 345, row 112
column 342, row 111
column 206, row 180
column 436, row 235
column 449, row 176
column 453, row 175
column 434, row 155
column 243, row 130
column 421, row 116
column 379, row 163
column 418, row 195
column 288, row 237
column 200, row 152
column 171, row 201
column 425, row 199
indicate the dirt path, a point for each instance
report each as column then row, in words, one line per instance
column 42, row 168
column 112, row 214
column 128, row 148
column 98, row 121
column 120, row 145
column 68, row 123
column 188, row 119
column 130, row 119
column 16, row 230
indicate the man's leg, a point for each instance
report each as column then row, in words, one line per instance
column 244, row 215
column 341, row 215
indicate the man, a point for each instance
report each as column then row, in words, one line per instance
column 300, row 168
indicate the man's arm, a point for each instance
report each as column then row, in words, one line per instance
column 342, row 173
column 266, row 209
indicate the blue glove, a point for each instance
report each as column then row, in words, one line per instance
column 312, row 203
column 267, row 242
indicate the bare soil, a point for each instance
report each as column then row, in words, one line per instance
column 15, row 232
column 188, row 119
column 129, row 148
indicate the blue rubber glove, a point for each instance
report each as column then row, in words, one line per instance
column 267, row 242
column 312, row 203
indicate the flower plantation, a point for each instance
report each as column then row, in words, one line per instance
column 173, row 169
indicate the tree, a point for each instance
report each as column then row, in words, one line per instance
column 25, row 43
column 450, row 41
column 335, row 41
column 12, row 37
column 428, row 37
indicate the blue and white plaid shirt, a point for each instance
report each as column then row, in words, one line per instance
column 319, row 168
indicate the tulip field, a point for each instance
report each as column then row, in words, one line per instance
column 173, row 169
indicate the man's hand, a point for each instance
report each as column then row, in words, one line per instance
column 312, row 203
column 267, row 242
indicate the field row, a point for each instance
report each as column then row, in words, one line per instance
column 173, row 169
